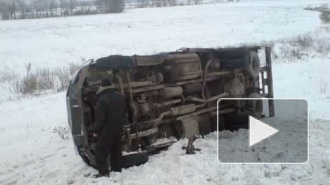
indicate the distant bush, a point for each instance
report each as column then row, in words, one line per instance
column 304, row 41
column 39, row 80
column 164, row 3
column 87, row 11
column 318, row 42
column 325, row 16
column 290, row 52
column 322, row 7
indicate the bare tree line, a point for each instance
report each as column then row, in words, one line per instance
column 30, row 9
column 164, row 3
column 22, row 9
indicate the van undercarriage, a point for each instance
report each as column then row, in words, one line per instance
column 170, row 95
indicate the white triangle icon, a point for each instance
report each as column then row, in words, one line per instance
column 259, row 131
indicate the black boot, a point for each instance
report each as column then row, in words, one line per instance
column 101, row 175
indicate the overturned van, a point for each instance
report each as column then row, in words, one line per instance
column 169, row 95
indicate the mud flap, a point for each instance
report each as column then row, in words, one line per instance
column 135, row 159
column 190, row 127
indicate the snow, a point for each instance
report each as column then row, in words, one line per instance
column 306, row 79
column 33, row 151
column 57, row 41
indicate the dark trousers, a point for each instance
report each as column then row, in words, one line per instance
column 109, row 146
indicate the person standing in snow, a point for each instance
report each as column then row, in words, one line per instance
column 109, row 120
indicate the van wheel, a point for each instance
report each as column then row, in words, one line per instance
column 253, row 68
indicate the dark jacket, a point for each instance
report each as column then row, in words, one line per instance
column 109, row 114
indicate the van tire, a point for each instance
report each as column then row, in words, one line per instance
column 253, row 67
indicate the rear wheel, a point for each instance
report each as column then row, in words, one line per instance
column 253, row 67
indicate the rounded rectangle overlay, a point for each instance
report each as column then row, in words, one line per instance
column 277, row 135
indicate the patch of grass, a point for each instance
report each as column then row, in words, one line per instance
column 63, row 132
column 323, row 46
column 290, row 52
column 305, row 45
column 64, row 74
column 7, row 75
column 40, row 80
column 303, row 41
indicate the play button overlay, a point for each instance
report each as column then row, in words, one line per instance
column 259, row 130
column 262, row 131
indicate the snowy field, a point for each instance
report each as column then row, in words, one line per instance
column 33, row 152
column 57, row 41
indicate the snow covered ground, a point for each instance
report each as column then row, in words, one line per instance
column 34, row 151
column 57, row 41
